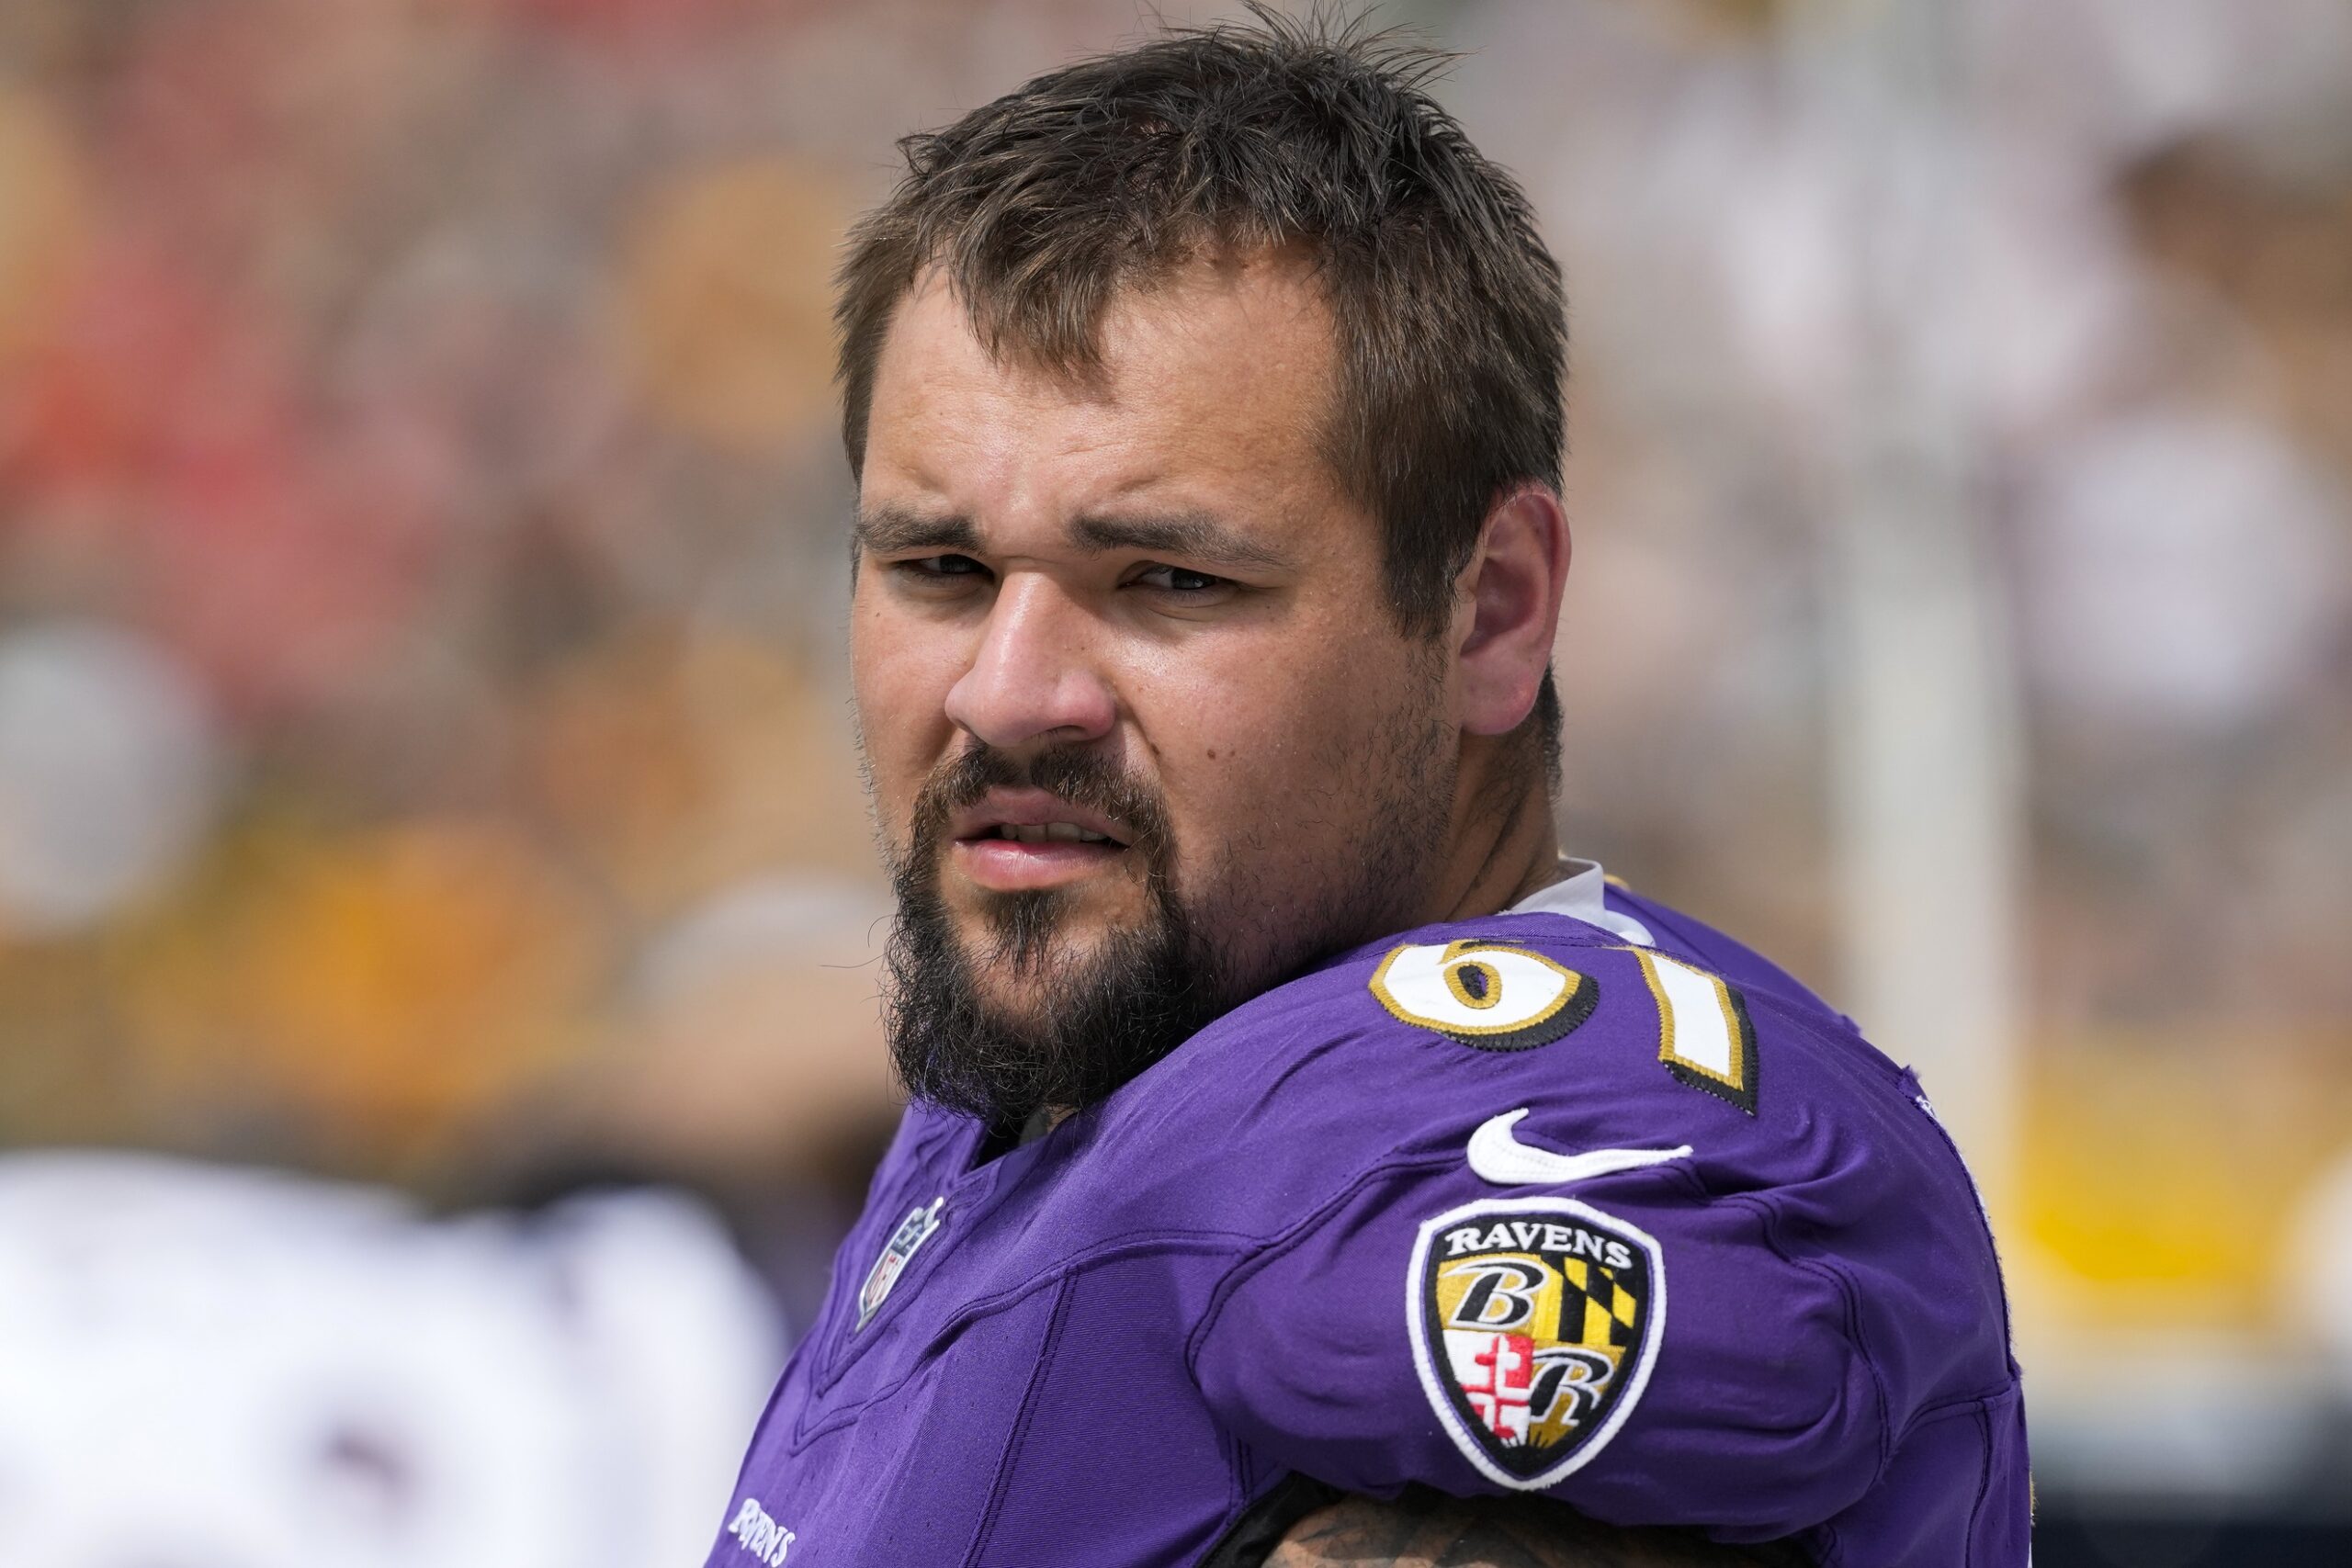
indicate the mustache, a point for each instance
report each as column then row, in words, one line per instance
column 1084, row 778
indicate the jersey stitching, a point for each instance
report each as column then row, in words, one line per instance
column 1768, row 1222
column 1895, row 1076
column 1240, row 1472
column 1885, row 1067
column 767, row 1413
column 1271, row 1248
column 1984, row 1479
column 972, row 1312
column 1836, row 1046
column 1019, row 1436
column 1849, row 1304
column 1111, row 1246
column 1944, row 1409
column 1984, row 1224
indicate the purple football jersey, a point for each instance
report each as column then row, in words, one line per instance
column 1580, row 1199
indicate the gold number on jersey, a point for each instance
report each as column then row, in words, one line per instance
column 1488, row 994
column 1704, row 1037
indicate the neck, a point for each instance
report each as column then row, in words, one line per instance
column 1504, row 844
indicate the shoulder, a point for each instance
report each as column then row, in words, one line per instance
column 1404, row 1048
column 1582, row 1199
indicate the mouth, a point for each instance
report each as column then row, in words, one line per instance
column 1045, row 833
column 1026, row 841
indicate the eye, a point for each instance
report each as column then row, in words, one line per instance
column 1180, row 580
column 936, row 568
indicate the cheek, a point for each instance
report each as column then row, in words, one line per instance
column 900, row 677
column 1261, row 755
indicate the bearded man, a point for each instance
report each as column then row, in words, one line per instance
column 1305, row 1163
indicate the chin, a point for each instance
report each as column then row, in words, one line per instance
column 1019, row 944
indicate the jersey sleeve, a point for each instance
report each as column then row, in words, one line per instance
column 1626, row 1345
column 1595, row 1272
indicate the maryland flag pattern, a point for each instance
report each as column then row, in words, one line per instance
column 1534, row 1324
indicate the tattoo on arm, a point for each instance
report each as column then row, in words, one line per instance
column 1487, row 1532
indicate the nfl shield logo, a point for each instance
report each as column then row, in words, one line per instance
column 912, row 1232
column 1534, row 1322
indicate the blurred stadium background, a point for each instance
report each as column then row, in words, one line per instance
column 437, row 912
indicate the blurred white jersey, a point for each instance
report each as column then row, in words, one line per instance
column 245, row 1370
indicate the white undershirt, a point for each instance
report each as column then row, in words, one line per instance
column 1579, row 895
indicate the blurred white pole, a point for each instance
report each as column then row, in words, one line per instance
column 1927, row 822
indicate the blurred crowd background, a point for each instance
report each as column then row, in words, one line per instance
column 438, row 915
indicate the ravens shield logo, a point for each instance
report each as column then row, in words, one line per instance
column 1534, row 1322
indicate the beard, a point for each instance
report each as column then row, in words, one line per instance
column 1102, row 1015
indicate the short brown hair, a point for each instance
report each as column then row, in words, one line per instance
column 1107, row 173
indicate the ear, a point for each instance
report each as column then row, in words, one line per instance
column 1507, row 607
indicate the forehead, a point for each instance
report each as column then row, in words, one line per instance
column 1215, row 380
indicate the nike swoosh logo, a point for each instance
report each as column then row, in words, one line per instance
column 1498, row 1157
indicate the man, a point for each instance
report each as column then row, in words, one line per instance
column 1308, row 1165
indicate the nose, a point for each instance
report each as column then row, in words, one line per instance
column 1033, row 677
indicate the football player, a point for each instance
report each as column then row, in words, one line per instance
column 1305, row 1163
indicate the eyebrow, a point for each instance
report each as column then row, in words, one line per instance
column 1194, row 535
column 889, row 529
column 1191, row 536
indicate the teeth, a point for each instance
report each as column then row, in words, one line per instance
column 1050, row 832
